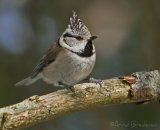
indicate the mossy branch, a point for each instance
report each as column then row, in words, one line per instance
column 140, row 86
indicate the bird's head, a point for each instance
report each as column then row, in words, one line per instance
column 77, row 35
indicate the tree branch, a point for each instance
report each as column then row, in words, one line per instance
column 140, row 86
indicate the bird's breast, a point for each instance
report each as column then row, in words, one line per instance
column 69, row 68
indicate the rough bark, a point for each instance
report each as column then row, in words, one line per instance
column 140, row 86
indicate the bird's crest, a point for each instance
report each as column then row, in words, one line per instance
column 77, row 26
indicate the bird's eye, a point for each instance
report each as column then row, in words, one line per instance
column 73, row 36
column 79, row 38
column 67, row 35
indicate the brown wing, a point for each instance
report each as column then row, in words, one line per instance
column 46, row 59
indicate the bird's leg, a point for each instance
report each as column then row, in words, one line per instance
column 93, row 80
column 61, row 84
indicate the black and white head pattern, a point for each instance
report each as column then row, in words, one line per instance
column 77, row 38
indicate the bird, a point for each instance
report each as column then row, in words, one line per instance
column 69, row 60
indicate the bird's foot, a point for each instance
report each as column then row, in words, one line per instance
column 68, row 87
column 97, row 81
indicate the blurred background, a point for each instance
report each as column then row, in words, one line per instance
column 128, row 40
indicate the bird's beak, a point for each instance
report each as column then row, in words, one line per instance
column 93, row 38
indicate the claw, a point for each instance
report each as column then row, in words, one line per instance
column 97, row 81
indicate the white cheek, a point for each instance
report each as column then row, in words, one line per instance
column 71, row 41
column 79, row 47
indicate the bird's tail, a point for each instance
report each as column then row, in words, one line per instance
column 26, row 82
